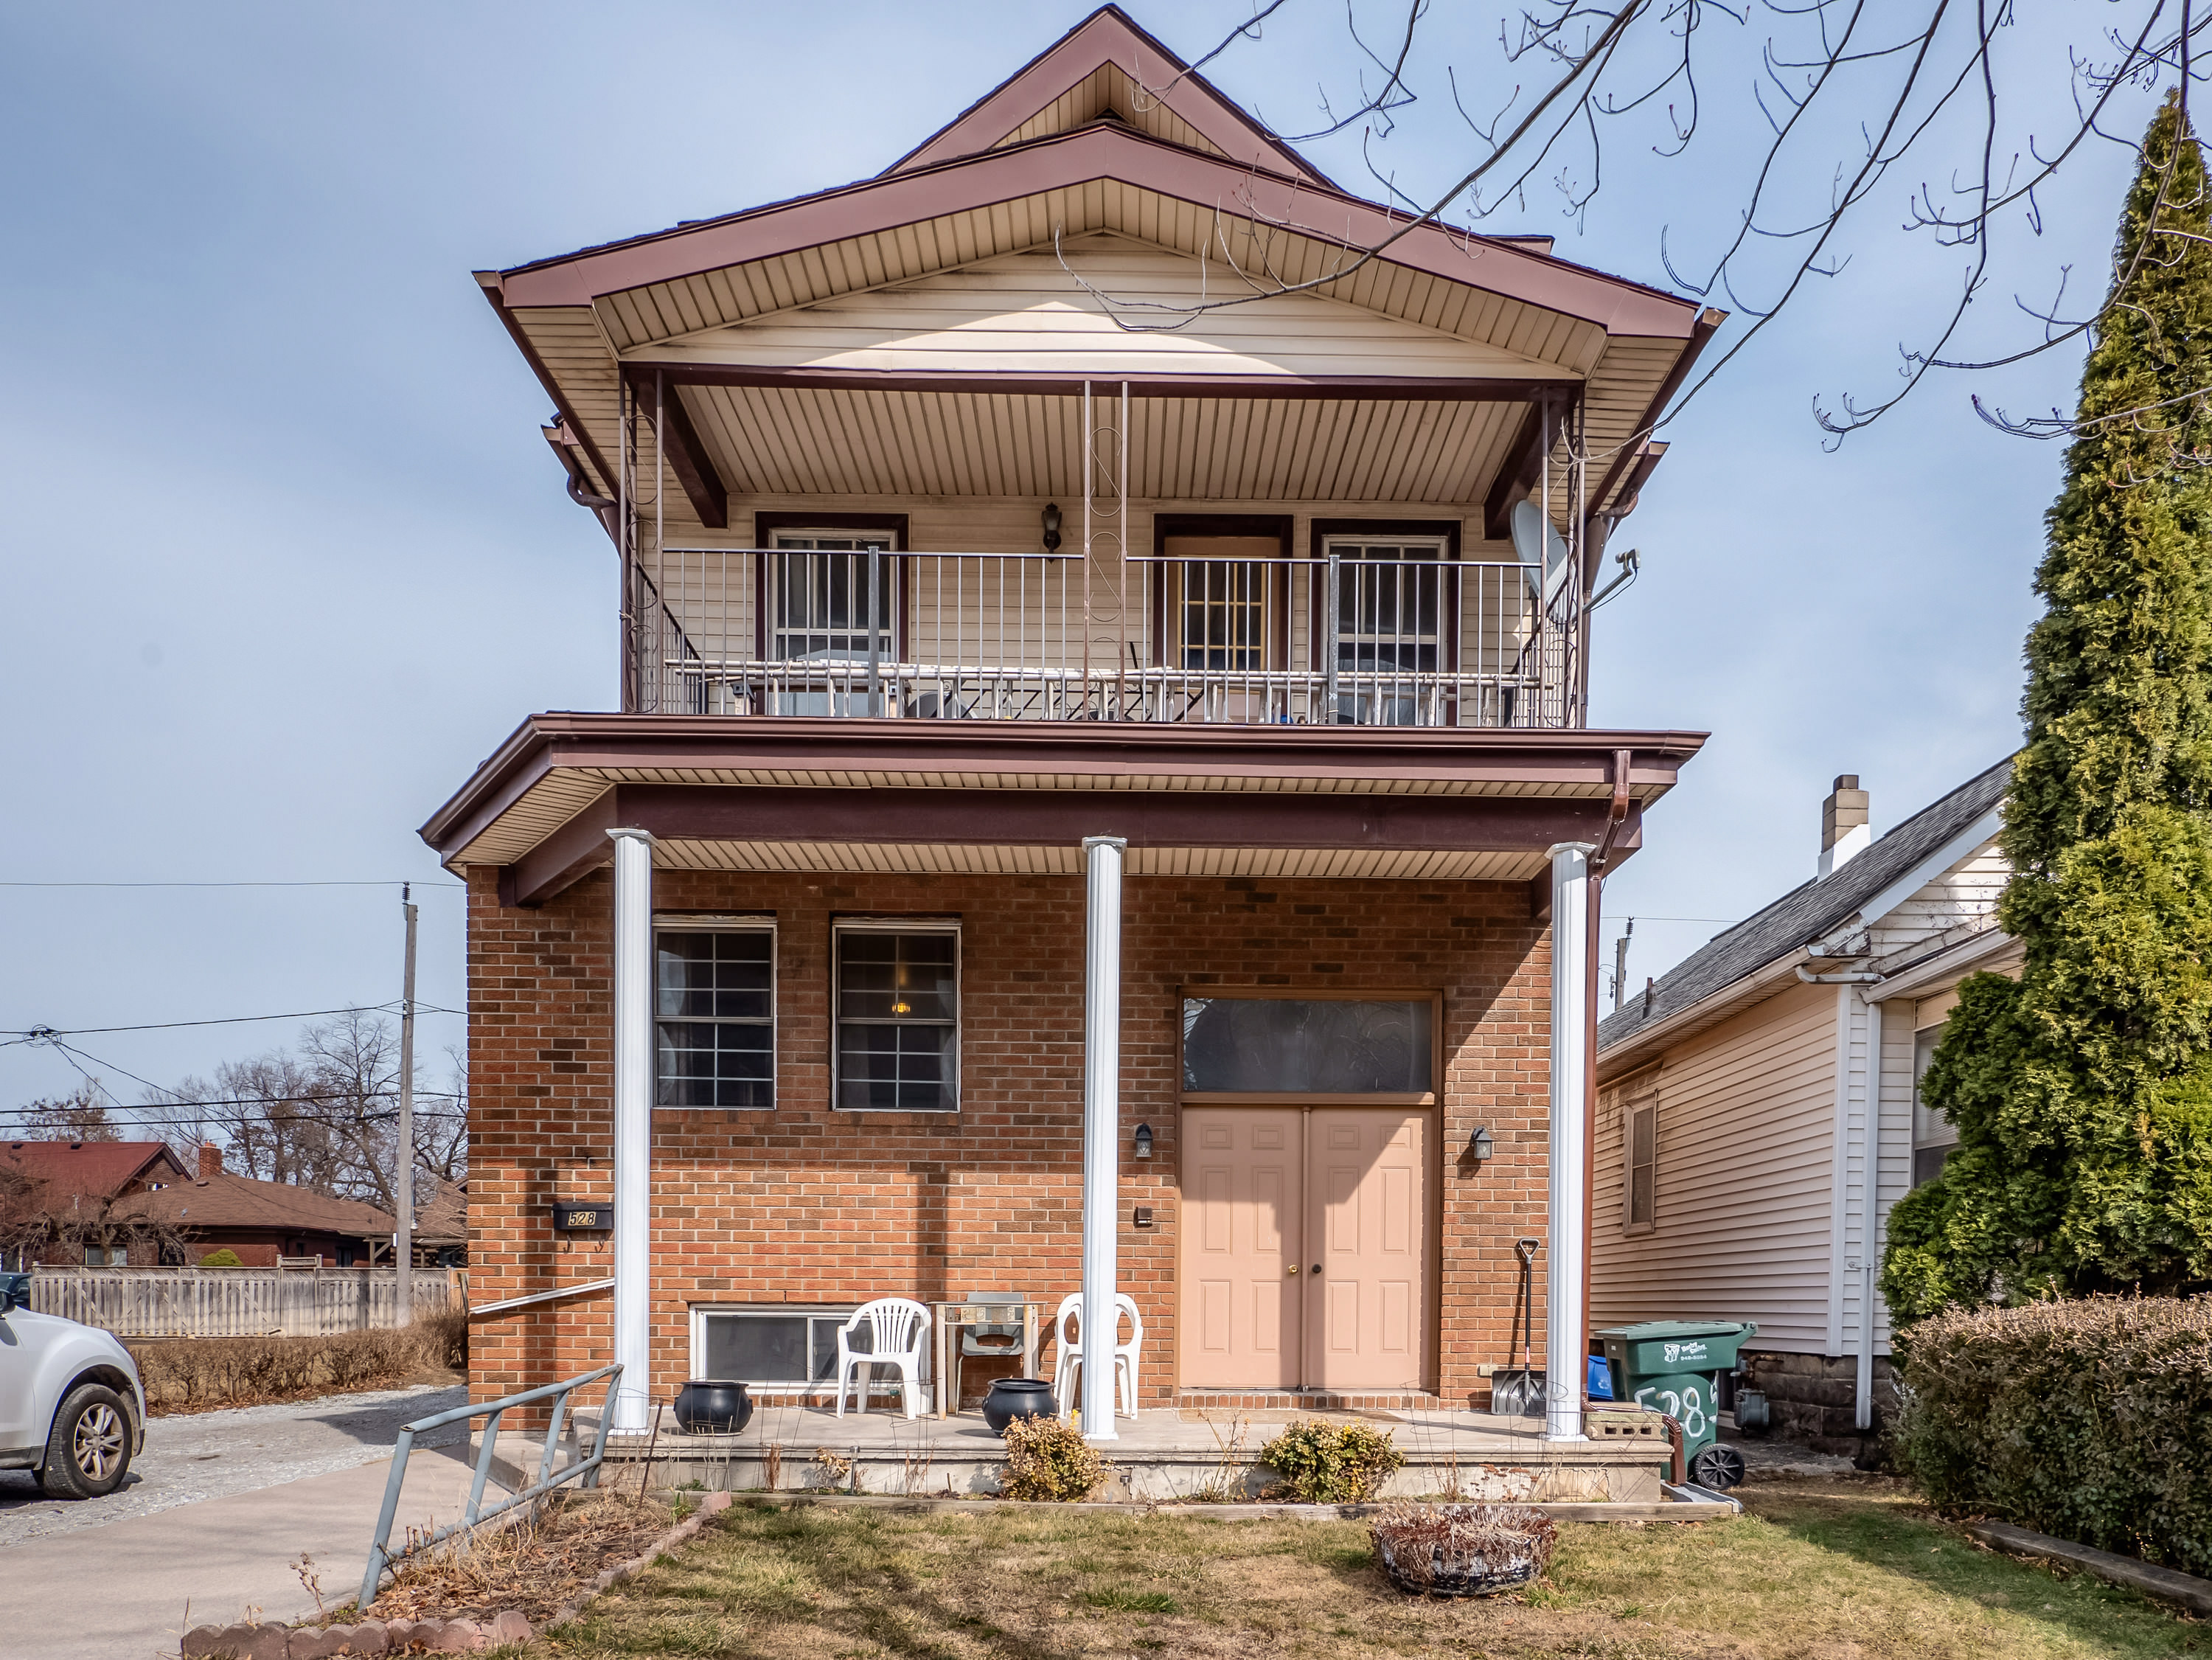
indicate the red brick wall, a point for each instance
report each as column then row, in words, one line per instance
column 807, row 1205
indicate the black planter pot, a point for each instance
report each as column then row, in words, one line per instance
column 710, row 1406
column 1017, row 1397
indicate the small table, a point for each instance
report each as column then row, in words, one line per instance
column 952, row 1318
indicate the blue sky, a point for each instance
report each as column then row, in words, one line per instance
column 286, row 556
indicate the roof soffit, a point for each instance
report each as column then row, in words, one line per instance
column 961, row 211
column 1107, row 63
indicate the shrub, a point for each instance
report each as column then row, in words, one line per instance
column 195, row 1374
column 2085, row 1419
column 225, row 1258
column 1326, row 1463
column 1048, row 1461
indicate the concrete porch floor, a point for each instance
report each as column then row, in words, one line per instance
column 1161, row 1454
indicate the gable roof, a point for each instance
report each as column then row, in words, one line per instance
column 1109, row 68
column 1808, row 913
column 221, row 1201
column 94, row 1169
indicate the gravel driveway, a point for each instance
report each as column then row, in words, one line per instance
column 211, row 1455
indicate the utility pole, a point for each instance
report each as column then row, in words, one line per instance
column 402, row 1187
column 1619, row 963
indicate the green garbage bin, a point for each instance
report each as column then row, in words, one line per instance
column 1674, row 1366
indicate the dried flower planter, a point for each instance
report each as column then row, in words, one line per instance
column 1462, row 1550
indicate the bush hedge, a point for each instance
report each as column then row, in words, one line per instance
column 2090, row 1420
column 199, row 1374
column 1326, row 1463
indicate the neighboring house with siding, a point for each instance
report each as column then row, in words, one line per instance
column 1744, row 1169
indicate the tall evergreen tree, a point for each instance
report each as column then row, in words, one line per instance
column 2083, row 1091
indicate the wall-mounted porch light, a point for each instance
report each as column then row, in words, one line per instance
column 1051, row 527
column 1480, row 1146
column 1144, row 1140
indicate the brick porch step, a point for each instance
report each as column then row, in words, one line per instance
column 1311, row 1401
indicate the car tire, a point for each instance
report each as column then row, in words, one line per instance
column 89, row 1453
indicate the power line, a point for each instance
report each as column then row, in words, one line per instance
column 453, row 887
column 33, row 1034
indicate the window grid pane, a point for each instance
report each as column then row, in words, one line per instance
column 714, row 1034
column 897, row 1002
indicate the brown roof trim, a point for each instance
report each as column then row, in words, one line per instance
column 490, row 282
column 1559, row 760
column 1063, row 161
column 1708, row 324
column 1391, row 388
column 1088, row 46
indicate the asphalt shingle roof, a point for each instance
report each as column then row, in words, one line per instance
column 1807, row 913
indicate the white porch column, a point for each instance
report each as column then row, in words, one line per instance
column 632, row 1126
column 1564, row 1358
column 1102, row 1127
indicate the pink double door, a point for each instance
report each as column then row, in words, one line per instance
column 1305, row 1258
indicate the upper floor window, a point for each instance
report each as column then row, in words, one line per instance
column 897, row 998
column 714, row 1013
column 1390, row 603
column 833, row 598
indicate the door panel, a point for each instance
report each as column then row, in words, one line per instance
column 1243, row 1169
column 1372, row 1186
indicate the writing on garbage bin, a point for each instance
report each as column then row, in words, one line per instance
column 1688, row 1408
column 1678, row 1353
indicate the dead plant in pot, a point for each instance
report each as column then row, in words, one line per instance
column 1461, row 1550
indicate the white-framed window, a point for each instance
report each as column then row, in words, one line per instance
column 828, row 587
column 107, row 1256
column 714, row 1012
column 1934, row 1135
column 779, row 1347
column 1393, row 598
column 1639, row 1164
column 895, row 998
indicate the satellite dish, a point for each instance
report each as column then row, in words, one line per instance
column 1542, row 549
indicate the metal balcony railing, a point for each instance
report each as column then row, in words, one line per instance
column 1034, row 636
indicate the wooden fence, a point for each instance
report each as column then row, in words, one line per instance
column 238, row 1302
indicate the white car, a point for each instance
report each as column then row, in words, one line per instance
column 72, row 1407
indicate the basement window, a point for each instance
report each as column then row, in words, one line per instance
column 1640, row 1166
column 898, row 1017
column 781, row 1347
column 714, row 1013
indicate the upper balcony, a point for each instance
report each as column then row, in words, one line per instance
column 1365, row 632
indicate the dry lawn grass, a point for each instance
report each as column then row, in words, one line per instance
column 1844, row 1570
column 539, row 1565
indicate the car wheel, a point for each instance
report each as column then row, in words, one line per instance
column 89, row 1453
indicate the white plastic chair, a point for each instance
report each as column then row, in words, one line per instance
column 898, row 1329
column 1069, row 1365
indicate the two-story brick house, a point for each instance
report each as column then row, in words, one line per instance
column 1101, row 796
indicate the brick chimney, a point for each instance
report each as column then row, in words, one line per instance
column 1844, row 831
column 210, row 1160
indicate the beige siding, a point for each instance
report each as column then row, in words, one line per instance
column 1745, row 1119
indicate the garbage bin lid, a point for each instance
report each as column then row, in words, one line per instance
column 1660, row 1331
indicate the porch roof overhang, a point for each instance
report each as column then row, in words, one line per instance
column 722, row 313
column 795, row 794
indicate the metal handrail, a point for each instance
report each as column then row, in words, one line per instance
column 380, row 1558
